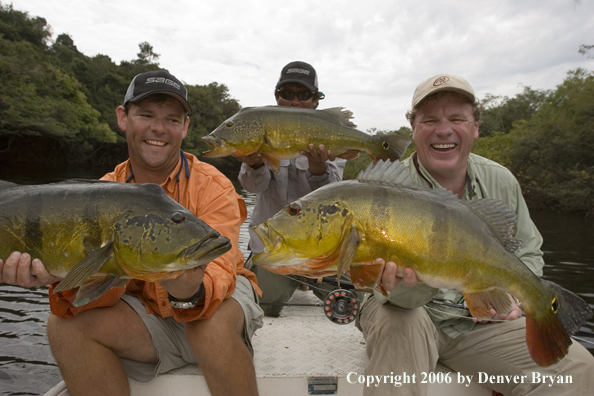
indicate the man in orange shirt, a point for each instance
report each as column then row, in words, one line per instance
column 143, row 329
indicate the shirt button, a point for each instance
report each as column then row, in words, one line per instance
column 164, row 304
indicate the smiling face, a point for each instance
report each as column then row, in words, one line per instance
column 154, row 132
column 444, row 130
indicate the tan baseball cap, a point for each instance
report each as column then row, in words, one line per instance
column 442, row 82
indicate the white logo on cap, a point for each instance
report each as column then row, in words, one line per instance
column 163, row 80
column 297, row 70
column 441, row 80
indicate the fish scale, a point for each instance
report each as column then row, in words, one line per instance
column 449, row 243
column 281, row 133
column 98, row 234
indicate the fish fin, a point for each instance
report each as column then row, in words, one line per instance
column 387, row 173
column 349, row 247
column 548, row 332
column 480, row 303
column 271, row 162
column 343, row 116
column 85, row 268
column 349, row 155
column 94, row 288
column 547, row 341
column 572, row 311
column 395, row 174
column 497, row 214
column 393, row 146
column 366, row 277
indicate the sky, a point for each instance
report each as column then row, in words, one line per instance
column 369, row 54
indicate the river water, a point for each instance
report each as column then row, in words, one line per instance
column 27, row 366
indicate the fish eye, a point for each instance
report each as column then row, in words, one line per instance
column 294, row 209
column 555, row 304
column 229, row 124
column 178, row 218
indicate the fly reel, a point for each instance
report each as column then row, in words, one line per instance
column 341, row 306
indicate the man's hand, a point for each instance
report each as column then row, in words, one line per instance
column 19, row 270
column 186, row 285
column 254, row 160
column 514, row 314
column 390, row 278
column 317, row 158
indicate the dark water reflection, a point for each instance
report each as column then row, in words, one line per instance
column 27, row 366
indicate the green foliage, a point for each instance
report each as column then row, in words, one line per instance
column 496, row 147
column 550, row 145
column 553, row 153
column 53, row 97
column 585, row 49
column 211, row 105
column 500, row 113
column 18, row 26
column 39, row 99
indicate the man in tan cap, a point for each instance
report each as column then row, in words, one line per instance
column 411, row 330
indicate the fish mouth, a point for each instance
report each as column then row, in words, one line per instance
column 268, row 235
column 205, row 251
column 276, row 254
column 219, row 146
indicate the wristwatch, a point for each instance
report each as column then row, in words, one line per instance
column 175, row 303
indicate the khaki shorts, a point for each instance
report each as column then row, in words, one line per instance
column 169, row 336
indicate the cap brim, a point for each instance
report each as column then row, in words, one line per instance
column 445, row 89
column 179, row 98
column 311, row 87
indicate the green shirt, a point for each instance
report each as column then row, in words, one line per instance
column 486, row 179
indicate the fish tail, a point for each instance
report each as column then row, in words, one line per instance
column 391, row 147
column 548, row 331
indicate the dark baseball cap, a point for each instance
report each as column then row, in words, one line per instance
column 301, row 73
column 145, row 84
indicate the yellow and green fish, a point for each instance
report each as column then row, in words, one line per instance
column 280, row 133
column 98, row 234
column 450, row 243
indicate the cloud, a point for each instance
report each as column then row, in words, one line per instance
column 370, row 55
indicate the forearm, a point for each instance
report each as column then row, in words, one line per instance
column 254, row 180
column 333, row 174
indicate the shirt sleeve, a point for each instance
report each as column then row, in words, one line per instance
column 254, row 180
column 220, row 209
column 61, row 303
column 334, row 172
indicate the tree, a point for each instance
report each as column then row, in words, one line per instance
column 552, row 153
column 146, row 55
column 18, row 26
column 585, row 49
column 500, row 113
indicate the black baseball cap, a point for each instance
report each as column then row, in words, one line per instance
column 301, row 73
column 153, row 82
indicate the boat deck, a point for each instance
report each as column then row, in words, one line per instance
column 299, row 353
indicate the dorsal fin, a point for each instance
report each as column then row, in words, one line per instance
column 342, row 115
column 395, row 174
column 494, row 212
column 500, row 218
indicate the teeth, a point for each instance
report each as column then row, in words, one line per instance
column 155, row 143
column 443, row 146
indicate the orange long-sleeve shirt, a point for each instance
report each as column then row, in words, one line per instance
column 210, row 196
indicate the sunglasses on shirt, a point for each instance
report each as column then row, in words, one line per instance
column 288, row 95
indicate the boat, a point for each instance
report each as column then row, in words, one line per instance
column 299, row 353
